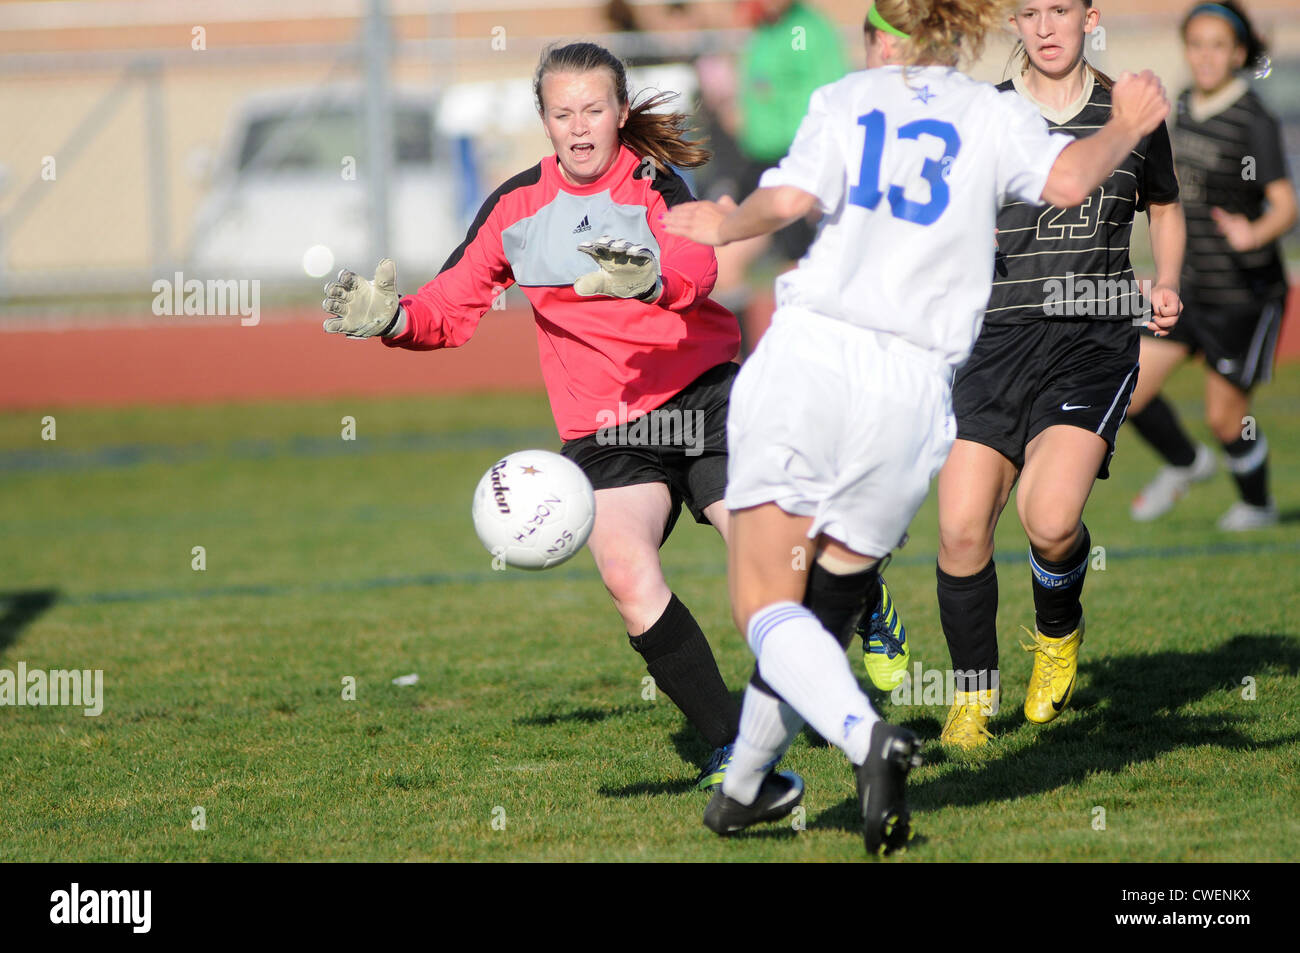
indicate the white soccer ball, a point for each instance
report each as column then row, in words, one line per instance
column 534, row 509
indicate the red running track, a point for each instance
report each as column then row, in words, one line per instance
column 285, row 356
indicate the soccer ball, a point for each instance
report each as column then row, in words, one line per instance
column 534, row 509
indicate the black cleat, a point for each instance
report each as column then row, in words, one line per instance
column 882, row 780
column 779, row 795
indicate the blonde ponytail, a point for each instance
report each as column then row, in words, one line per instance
column 943, row 31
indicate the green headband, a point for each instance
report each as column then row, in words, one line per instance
column 880, row 23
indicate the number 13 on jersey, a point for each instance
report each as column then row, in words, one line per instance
column 867, row 192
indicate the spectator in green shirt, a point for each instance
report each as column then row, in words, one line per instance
column 793, row 50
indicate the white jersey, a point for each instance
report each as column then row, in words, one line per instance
column 909, row 172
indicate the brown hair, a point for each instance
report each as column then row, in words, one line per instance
column 941, row 31
column 659, row 136
column 1022, row 55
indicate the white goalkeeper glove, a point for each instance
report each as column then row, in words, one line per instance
column 362, row 308
column 626, row 270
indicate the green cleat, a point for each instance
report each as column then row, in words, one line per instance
column 710, row 775
column 884, row 643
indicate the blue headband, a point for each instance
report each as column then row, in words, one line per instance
column 1219, row 10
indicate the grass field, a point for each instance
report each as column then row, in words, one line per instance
column 329, row 559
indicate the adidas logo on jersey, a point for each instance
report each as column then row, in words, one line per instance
column 583, row 226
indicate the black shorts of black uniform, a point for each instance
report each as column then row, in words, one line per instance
column 1023, row 378
column 791, row 242
column 682, row 443
column 1240, row 343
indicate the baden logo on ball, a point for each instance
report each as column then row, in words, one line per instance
column 534, row 509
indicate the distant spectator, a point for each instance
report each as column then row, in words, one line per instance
column 793, row 50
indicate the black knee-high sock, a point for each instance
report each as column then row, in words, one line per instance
column 1248, row 461
column 678, row 657
column 1058, row 586
column 839, row 601
column 968, row 612
column 1159, row 427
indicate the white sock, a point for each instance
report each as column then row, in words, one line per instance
column 767, row 726
column 806, row 666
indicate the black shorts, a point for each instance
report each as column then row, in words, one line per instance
column 1023, row 378
column 791, row 242
column 682, row 443
column 1239, row 343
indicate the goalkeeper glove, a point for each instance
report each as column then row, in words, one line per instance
column 362, row 308
column 626, row 270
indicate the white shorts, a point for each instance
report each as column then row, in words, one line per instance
column 840, row 423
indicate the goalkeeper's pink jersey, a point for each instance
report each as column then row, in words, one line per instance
column 598, row 354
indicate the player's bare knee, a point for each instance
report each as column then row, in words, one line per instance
column 1226, row 426
column 631, row 578
column 1053, row 535
column 966, row 547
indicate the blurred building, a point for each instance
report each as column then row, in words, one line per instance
column 123, row 116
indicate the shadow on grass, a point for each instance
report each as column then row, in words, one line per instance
column 1289, row 516
column 20, row 609
column 586, row 716
column 649, row 788
column 694, row 752
column 1140, row 721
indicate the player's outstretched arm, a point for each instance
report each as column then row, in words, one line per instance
column 361, row 308
column 720, row 223
column 1138, row 105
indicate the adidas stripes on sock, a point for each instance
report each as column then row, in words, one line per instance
column 805, row 665
column 1159, row 426
column 1248, row 461
column 1058, row 586
column 678, row 657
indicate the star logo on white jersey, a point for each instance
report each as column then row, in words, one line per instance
column 924, row 94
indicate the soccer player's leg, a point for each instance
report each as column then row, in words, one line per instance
column 751, row 792
column 1239, row 351
column 692, row 450
column 1227, row 408
column 1061, row 464
column 1186, row 462
column 992, row 396
column 629, row 528
column 802, row 664
column 974, row 485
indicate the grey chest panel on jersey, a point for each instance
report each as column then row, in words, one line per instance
column 543, row 248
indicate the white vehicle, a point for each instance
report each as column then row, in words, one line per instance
column 289, row 191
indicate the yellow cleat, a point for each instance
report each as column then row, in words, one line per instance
column 885, row 651
column 967, row 724
column 1056, row 663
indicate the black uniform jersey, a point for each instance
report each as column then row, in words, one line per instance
column 1073, row 264
column 1225, row 159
